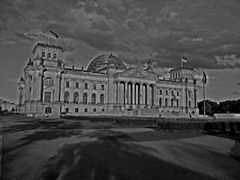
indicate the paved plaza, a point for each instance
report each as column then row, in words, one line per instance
column 72, row 149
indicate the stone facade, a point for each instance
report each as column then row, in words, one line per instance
column 106, row 87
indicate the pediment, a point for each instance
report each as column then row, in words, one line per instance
column 138, row 73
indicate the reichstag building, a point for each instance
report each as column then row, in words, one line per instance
column 106, row 87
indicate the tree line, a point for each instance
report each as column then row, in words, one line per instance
column 211, row 107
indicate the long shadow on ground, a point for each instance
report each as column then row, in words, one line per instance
column 112, row 157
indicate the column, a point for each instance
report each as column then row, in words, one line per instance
column 125, row 93
column 134, row 93
column 195, row 98
column 117, row 92
column 143, row 94
column 147, row 95
column 121, row 93
column 41, row 94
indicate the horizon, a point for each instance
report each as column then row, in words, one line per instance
column 207, row 33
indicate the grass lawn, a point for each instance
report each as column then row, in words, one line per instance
column 71, row 149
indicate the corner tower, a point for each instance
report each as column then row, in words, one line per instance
column 42, row 80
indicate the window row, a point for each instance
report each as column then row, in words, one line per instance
column 49, row 55
column 172, row 104
column 84, row 110
column 86, row 85
column 167, row 92
column 85, row 98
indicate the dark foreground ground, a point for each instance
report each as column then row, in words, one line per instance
column 72, row 149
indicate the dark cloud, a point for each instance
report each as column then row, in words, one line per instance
column 208, row 33
column 238, row 84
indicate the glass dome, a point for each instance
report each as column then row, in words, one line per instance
column 105, row 62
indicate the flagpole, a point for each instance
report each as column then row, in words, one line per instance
column 48, row 36
column 204, row 105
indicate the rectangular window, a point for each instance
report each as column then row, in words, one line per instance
column 47, row 97
column 67, row 110
column 177, row 93
column 49, row 55
column 67, row 84
column 166, row 92
column 43, row 54
column 76, row 110
column 55, row 56
column 48, row 110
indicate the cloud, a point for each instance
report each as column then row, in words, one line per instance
column 228, row 60
column 236, row 93
column 208, row 33
column 238, row 84
column 24, row 36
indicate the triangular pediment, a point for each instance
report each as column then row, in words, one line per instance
column 138, row 73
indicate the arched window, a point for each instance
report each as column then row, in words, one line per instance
column 166, row 102
column 177, row 102
column 85, row 98
column 85, row 86
column 75, row 98
column 160, row 92
column 101, row 99
column 177, row 93
column 66, row 97
column 160, row 102
column 189, row 103
column 48, row 81
column 94, row 110
column 94, row 98
column 172, row 102
column 85, row 110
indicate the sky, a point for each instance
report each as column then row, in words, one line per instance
column 207, row 32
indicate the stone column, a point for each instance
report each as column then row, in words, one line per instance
column 117, row 92
column 143, row 94
column 148, row 95
column 134, row 93
column 125, row 93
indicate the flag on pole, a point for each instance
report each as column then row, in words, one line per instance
column 184, row 59
column 204, row 78
column 53, row 35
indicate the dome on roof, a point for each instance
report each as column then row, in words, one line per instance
column 102, row 63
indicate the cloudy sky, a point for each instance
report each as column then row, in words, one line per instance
column 207, row 32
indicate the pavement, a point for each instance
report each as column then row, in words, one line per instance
column 85, row 150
